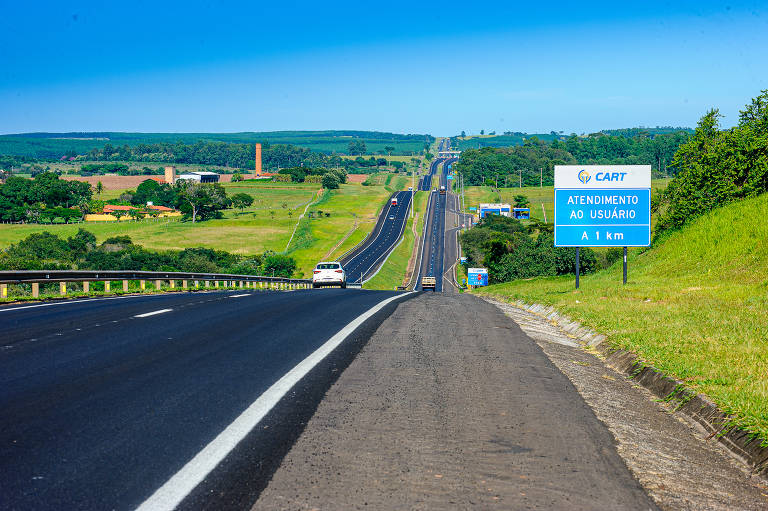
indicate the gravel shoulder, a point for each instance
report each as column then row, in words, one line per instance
column 680, row 465
column 452, row 406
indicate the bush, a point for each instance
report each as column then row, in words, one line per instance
column 331, row 181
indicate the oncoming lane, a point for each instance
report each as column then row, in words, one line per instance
column 103, row 407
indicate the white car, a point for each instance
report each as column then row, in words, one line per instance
column 329, row 273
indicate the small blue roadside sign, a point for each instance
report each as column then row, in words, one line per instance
column 477, row 277
column 602, row 206
column 450, row 176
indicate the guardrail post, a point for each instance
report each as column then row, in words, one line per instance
column 184, row 284
column 125, row 286
column 143, row 284
column 3, row 290
column 86, row 286
column 35, row 290
column 62, row 288
column 197, row 284
column 207, row 283
column 158, row 285
column 106, row 286
column 241, row 284
column 173, row 284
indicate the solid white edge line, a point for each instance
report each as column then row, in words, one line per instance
column 181, row 484
column 240, row 296
column 147, row 314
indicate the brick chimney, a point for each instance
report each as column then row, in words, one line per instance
column 170, row 175
column 258, row 160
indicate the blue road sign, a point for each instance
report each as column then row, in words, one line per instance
column 477, row 277
column 450, row 176
column 602, row 206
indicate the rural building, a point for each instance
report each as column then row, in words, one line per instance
column 200, row 177
column 495, row 209
column 521, row 213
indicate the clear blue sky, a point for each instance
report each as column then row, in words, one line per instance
column 412, row 67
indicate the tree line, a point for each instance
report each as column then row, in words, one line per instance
column 47, row 251
column 716, row 166
column 534, row 161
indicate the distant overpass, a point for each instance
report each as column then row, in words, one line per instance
column 449, row 154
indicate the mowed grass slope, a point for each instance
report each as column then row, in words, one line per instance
column 695, row 307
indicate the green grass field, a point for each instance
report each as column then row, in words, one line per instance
column 393, row 271
column 695, row 307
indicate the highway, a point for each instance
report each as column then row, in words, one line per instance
column 362, row 262
column 103, row 401
column 435, row 259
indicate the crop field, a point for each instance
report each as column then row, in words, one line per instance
column 695, row 306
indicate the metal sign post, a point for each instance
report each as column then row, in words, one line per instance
column 602, row 206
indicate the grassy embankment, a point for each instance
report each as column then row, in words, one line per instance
column 394, row 269
column 695, row 307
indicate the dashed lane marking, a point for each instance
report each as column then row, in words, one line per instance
column 147, row 314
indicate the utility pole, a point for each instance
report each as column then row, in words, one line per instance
column 541, row 177
column 521, row 177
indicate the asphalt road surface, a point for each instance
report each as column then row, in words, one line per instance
column 365, row 260
column 104, row 400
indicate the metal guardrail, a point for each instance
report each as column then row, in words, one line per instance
column 36, row 277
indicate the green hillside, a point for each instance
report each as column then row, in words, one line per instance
column 695, row 307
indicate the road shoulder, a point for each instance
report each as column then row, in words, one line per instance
column 450, row 405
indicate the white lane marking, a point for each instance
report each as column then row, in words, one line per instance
column 69, row 302
column 240, row 296
column 147, row 314
column 170, row 495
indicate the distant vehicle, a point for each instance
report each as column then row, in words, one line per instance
column 428, row 283
column 391, row 217
column 410, row 188
column 394, row 201
column 442, row 190
column 329, row 273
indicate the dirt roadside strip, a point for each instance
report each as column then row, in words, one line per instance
column 451, row 406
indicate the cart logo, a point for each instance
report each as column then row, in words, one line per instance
column 584, row 176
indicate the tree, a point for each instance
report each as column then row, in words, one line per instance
column 99, row 188
column 236, row 177
column 118, row 213
column 389, row 149
column 278, row 265
column 241, row 200
column 330, row 181
column 463, row 134
column 521, row 201
column 357, row 146
column 135, row 214
column 203, row 200
column 482, row 132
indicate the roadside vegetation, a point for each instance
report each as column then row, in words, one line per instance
column 696, row 302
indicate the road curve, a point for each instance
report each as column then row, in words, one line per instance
column 104, row 400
